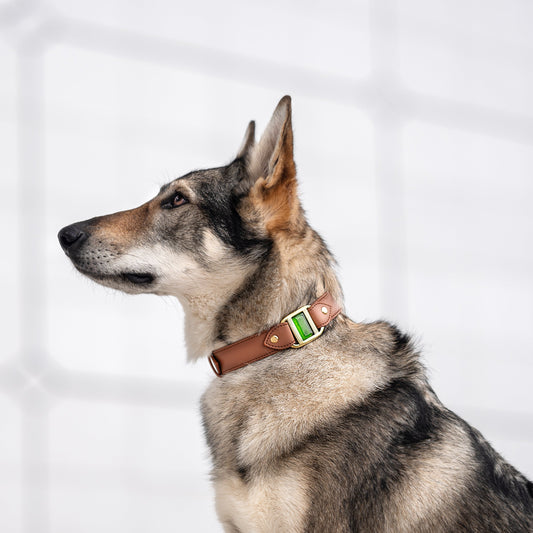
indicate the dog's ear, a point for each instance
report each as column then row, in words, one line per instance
column 272, row 171
column 248, row 142
column 275, row 145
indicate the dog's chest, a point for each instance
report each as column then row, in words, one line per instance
column 273, row 502
column 254, row 491
column 257, row 419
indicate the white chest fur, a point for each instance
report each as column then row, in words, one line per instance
column 276, row 502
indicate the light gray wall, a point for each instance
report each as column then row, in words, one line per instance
column 413, row 125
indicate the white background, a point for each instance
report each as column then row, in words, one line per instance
column 413, row 127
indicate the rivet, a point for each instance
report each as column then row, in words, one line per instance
column 274, row 339
column 325, row 310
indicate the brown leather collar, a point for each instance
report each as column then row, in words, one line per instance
column 295, row 330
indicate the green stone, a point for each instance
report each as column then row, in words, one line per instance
column 302, row 325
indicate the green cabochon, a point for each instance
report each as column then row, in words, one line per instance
column 302, row 325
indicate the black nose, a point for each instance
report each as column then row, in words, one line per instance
column 71, row 237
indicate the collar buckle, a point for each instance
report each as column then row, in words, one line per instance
column 302, row 326
column 295, row 330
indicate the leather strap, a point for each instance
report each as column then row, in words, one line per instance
column 268, row 342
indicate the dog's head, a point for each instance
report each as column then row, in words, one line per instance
column 208, row 229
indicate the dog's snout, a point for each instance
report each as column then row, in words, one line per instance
column 71, row 237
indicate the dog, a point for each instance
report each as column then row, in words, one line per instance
column 343, row 433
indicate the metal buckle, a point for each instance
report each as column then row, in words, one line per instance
column 303, row 327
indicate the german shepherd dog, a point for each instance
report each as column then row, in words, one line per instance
column 343, row 434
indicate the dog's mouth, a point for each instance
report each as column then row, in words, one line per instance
column 135, row 278
column 139, row 278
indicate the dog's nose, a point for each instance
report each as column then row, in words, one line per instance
column 71, row 237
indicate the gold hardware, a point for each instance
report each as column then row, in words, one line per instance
column 299, row 340
column 274, row 339
column 325, row 310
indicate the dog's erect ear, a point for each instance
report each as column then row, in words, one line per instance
column 275, row 144
column 272, row 170
column 248, row 141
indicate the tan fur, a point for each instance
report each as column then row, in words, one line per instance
column 276, row 204
column 275, row 194
column 296, row 269
column 125, row 227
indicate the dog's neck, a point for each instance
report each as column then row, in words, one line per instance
column 231, row 308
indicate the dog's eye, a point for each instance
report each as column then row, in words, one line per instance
column 174, row 201
column 178, row 200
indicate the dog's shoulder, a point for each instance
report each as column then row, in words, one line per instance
column 270, row 406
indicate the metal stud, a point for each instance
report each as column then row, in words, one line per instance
column 324, row 310
column 274, row 339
